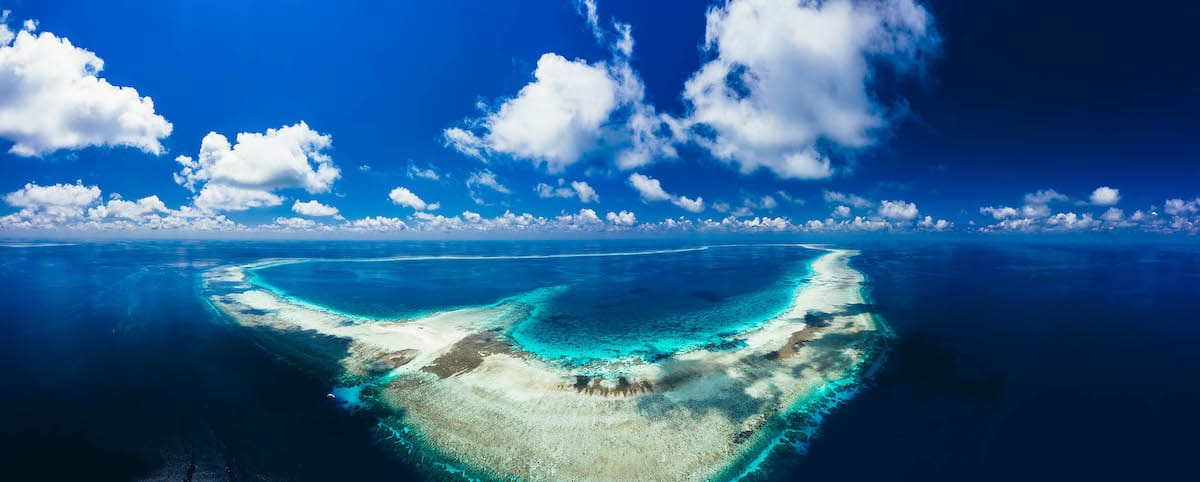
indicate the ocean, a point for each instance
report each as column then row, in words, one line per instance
column 1009, row 359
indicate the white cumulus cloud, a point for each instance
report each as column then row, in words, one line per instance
column 1037, row 215
column 1037, row 203
column 790, row 74
column 404, row 197
column 575, row 108
column 554, row 119
column 898, row 210
column 1071, row 221
column 585, row 192
column 301, row 224
column 52, row 97
column 378, row 223
column 688, row 204
column 585, row 217
column 61, row 206
column 313, row 208
column 1178, row 206
column 245, row 174
column 224, row 197
column 1105, row 196
column 131, row 210
column 623, row 218
column 71, row 196
column 939, row 225
column 1002, row 212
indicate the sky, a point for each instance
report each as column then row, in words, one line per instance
column 455, row 118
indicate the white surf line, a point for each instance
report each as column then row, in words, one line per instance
column 34, row 245
column 452, row 257
column 464, row 257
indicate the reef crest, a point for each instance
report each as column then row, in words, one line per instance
column 479, row 402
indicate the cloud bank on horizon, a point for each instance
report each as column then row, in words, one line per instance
column 787, row 93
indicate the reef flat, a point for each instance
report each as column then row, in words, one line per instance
column 474, row 398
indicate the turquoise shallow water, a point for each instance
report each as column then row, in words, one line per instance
column 599, row 306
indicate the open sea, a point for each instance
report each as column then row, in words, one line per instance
column 1010, row 359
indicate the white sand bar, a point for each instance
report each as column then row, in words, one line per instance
column 479, row 402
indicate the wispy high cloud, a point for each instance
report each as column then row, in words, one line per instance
column 651, row 190
column 577, row 189
column 429, row 173
column 852, row 200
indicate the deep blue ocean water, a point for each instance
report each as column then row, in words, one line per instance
column 1011, row 360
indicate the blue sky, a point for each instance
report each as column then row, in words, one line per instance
column 395, row 118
